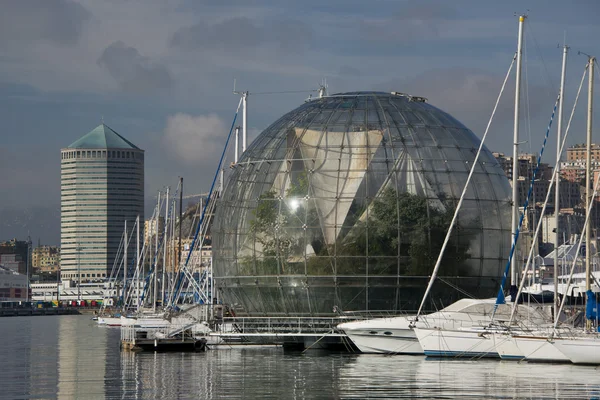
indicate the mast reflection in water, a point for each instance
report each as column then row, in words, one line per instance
column 69, row 357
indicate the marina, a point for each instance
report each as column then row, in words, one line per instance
column 299, row 201
column 91, row 365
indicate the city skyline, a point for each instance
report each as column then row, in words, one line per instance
column 165, row 80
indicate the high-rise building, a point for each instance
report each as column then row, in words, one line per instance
column 102, row 186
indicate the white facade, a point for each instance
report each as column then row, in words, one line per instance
column 102, row 186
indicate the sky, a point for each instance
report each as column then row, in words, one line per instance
column 161, row 74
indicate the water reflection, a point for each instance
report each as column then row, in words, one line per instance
column 416, row 377
column 71, row 358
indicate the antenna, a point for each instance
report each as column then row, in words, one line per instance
column 323, row 88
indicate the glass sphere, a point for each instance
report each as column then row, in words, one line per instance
column 343, row 204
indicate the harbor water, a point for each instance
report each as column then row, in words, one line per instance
column 69, row 357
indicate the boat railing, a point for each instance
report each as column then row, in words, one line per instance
column 296, row 325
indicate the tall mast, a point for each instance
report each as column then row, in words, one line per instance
column 156, row 254
column 244, row 120
column 137, row 262
column 125, row 265
column 165, row 247
column 588, row 163
column 557, row 182
column 515, row 167
column 180, row 219
column 237, row 145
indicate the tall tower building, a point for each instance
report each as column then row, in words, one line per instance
column 102, row 186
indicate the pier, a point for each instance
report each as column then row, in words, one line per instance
column 30, row 311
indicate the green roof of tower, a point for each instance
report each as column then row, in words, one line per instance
column 102, row 137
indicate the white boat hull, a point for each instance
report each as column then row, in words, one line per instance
column 506, row 347
column 396, row 342
column 580, row 350
column 456, row 343
column 539, row 349
column 109, row 321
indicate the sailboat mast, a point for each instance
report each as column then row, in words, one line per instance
column 156, row 254
column 126, row 245
column 244, row 121
column 180, row 220
column 588, row 164
column 137, row 259
column 557, row 182
column 165, row 246
column 515, row 166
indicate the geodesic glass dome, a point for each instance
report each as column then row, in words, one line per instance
column 343, row 204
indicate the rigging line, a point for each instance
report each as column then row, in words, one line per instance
column 500, row 297
column 552, row 181
column 537, row 47
column 454, row 218
column 525, row 52
column 456, row 287
column 587, row 218
column 285, row 92
column 192, row 245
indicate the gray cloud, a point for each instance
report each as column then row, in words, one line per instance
column 244, row 34
column 195, row 139
column 134, row 72
column 414, row 22
column 232, row 34
column 469, row 95
column 347, row 70
column 59, row 21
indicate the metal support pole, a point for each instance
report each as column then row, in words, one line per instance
column 137, row 260
column 125, row 248
column 515, row 169
column 557, row 182
column 244, row 120
column 237, row 145
column 165, row 249
column 180, row 219
column 156, row 255
column 588, row 172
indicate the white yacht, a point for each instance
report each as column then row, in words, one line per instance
column 396, row 335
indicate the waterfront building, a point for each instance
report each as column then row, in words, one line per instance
column 574, row 168
column 102, row 186
column 22, row 248
column 46, row 259
column 13, row 285
column 150, row 230
column 527, row 163
column 343, row 203
column 14, row 262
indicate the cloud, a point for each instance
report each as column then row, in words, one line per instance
column 59, row 21
column 346, row 70
column 134, row 72
column 194, row 139
column 469, row 94
column 414, row 22
column 244, row 34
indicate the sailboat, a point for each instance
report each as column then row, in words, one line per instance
column 584, row 346
column 480, row 341
column 397, row 335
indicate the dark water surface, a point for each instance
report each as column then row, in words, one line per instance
column 69, row 357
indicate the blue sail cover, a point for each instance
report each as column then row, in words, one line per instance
column 591, row 306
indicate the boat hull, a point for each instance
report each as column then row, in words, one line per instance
column 109, row 321
column 396, row 342
column 580, row 350
column 507, row 348
column 539, row 349
column 456, row 343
